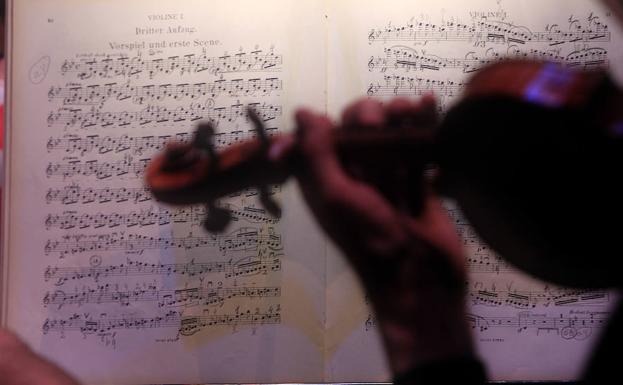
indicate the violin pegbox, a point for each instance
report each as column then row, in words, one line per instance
column 196, row 173
column 217, row 218
column 266, row 200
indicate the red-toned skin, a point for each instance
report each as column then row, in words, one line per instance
column 411, row 266
column 419, row 322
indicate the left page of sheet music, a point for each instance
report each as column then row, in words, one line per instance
column 105, row 281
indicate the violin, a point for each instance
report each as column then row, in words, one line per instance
column 524, row 144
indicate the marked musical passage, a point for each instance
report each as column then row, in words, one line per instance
column 76, row 194
column 140, row 145
column 157, row 114
column 151, row 217
column 579, row 326
column 529, row 299
column 97, row 94
column 397, row 85
column 261, row 264
column 186, row 297
column 138, row 66
column 242, row 239
column 104, row 324
column 490, row 31
column 127, row 167
column 408, row 59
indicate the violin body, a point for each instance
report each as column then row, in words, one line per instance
column 527, row 149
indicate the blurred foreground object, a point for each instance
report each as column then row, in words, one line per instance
column 531, row 154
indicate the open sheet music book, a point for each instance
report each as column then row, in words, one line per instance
column 117, row 288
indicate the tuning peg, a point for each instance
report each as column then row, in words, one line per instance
column 268, row 202
column 217, row 219
column 260, row 130
column 204, row 140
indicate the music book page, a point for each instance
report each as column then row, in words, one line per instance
column 102, row 279
column 523, row 329
column 118, row 288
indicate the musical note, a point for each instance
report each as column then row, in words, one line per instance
column 488, row 31
column 185, row 325
column 127, row 167
column 139, row 145
column 409, row 59
column 155, row 114
column 244, row 238
column 96, row 94
column 150, row 217
column 244, row 267
column 523, row 299
column 137, row 66
column 578, row 326
column 186, row 297
column 76, row 194
column 397, row 85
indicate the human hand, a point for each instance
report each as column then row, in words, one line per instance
column 410, row 262
column 21, row 366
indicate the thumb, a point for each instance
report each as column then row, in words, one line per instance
column 321, row 166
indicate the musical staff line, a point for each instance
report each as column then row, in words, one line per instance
column 489, row 31
column 186, row 325
column 127, row 167
column 187, row 297
column 243, row 267
column 408, row 59
column 523, row 299
column 397, row 85
column 77, row 194
column 154, row 114
column 568, row 327
column 244, row 238
column 137, row 66
column 97, row 94
column 152, row 217
column 140, row 145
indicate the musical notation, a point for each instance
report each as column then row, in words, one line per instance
column 243, row 267
column 140, row 145
column 150, row 217
column 489, row 31
column 155, row 114
column 244, row 238
column 97, row 94
column 397, row 85
column 136, row 66
column 409, row 59
column 185, row 325
column 577, row 327
column 186, row 297
column 524, row 299
column 101, row 170
column 76, row 194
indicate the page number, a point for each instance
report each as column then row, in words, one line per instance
column 50, row 20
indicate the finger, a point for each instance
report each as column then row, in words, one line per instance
column 428, row 108
column 315, row 136
column 365, row 114
column 407, row 114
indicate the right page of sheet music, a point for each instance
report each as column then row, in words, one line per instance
column 524, row 329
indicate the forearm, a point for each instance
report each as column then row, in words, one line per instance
column 421, row 313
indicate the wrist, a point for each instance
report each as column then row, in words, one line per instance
column 426, row 333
